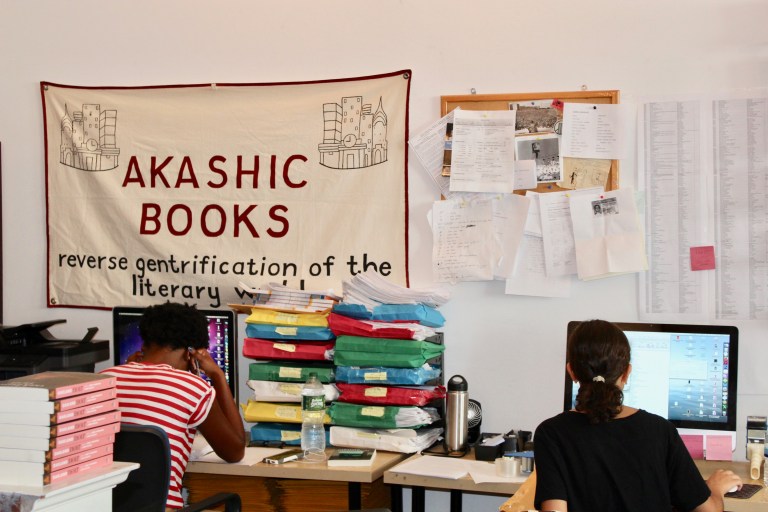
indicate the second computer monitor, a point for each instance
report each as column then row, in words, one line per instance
column 685, row 373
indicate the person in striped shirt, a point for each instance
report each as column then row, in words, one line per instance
column 160, row 386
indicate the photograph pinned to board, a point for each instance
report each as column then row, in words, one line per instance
column 537, row 116
column 584, row 172
column 545, row 150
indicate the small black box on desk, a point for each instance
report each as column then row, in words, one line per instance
column 487, row 451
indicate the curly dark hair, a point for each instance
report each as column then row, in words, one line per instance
column 174, row 325
column 597, row 348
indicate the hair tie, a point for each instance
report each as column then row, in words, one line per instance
column 598, row 378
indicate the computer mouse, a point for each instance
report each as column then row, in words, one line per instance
column 733, row 489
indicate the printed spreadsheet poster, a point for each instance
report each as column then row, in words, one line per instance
column 182, row 192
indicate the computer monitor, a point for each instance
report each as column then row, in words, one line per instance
column 126, row 339
column 684, row 373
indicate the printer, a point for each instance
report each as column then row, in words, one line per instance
column 30, row 348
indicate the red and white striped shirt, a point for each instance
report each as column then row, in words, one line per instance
column 175, row 400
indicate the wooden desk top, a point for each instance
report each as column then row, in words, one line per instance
column 465, row 483
column 757, row 503
column 304, row 471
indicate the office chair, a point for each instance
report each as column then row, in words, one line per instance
column 146, row 488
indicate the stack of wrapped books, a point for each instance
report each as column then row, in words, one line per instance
column 288, row 337
column 388, row 358
column 56, row 425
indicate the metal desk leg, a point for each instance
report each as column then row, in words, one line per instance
column 396, row 497
column 354, row 491
column 455, row 500
column 417, row 499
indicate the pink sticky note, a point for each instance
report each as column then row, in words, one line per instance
column 719, row 448
column 695, row 445
column 703, row 258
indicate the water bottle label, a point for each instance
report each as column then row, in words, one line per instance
column 313, row 403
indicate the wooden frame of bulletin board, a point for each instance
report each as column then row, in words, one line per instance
column 502, row 101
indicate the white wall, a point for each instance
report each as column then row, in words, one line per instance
column 510, row 349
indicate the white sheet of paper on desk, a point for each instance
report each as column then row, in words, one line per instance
column 483, row 154
column 439, row 467
column 596, row 131
column 200, row 448
column 485, row 472
column 253, row 455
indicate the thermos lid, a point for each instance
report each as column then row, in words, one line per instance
column 457, row 383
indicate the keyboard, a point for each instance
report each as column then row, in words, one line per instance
column 746, row 491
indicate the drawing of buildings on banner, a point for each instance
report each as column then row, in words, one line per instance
column 88, row 139
column 353, row 136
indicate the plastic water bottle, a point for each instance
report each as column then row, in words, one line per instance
column 312, row 414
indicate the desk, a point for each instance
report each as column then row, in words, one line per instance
column 90, row 491
column 457, row 487
column 757, row 503
column 295, row 485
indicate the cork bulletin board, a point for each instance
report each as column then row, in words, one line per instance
column 505, row 102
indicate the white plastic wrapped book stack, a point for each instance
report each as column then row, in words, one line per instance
column 404, row 440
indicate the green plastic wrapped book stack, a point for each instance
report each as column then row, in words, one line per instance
column 354, row 415
column 285, row 371
column 360, row 351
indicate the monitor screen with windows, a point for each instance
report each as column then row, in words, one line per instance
column 126, row 339
column 685, row 373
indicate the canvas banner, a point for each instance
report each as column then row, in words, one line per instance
column 181, row 193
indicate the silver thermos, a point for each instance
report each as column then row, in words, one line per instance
column 456, row 412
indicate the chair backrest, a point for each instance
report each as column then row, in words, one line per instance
column 146, row 489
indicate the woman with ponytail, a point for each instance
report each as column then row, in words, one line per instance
column 605, row 456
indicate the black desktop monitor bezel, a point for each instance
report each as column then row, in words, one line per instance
column 733, row 368
column 231, row 322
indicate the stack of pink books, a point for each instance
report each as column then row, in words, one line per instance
column 56, row 425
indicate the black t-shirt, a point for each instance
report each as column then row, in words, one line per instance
column 637, row 463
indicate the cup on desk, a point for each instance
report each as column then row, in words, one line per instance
column 508, row 466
